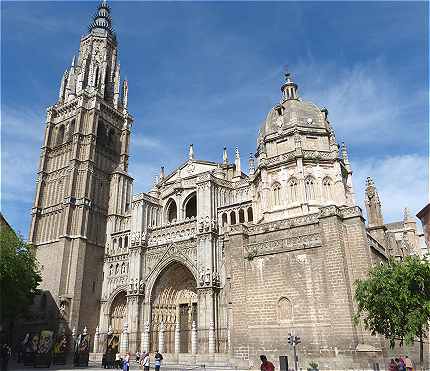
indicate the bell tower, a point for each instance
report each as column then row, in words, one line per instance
column 83, row 184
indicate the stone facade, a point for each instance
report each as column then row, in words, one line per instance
column 210, row 260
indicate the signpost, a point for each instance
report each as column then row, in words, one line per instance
column 294, row 340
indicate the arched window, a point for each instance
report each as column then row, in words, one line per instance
column 327, row 189
column 172, row 211
column 111, row 270
column 126, row 241
column 292, row 190
column 241, row 216
column 120, row 243
column 250, row 214
column 285, row 310
column 101, row 132
column 71, row 130
column 276, row 194
column 60, row 135
column 115, row 245
column 122, row 268
column 117, row 268
column 96, row 79
column 233, row 217
column 224, row 219
column 191, row 206
column 309, row 188
column 111, row 136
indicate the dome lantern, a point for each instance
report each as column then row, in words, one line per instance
column 289, row 88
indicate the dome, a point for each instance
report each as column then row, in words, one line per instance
column 289, row 113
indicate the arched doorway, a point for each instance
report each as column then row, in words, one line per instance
column 174, row 300
column 117, row 318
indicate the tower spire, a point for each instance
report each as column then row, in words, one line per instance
column 102, row 21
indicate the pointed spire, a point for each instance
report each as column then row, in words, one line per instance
column 237, row 171
column 373, row 204
column 125, row 94
column 251, row 164
column 289, row 88
column 161, row 173
column 191, row 152
column 345, row 157
column 225, row 156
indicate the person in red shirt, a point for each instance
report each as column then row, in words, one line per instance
column 265, row 364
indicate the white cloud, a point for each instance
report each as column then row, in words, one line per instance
column 402, row 181
column 367, row 105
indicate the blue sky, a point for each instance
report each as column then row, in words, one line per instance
column 207, row 73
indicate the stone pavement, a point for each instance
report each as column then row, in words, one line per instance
column 93, row 366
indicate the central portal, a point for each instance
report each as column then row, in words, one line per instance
column 174, row 301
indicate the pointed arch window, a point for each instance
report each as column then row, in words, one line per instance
column 71, row 129
column 276, row 194
column 327, row 189
column 292, row 190
column 191, row 206
column 224, row 219
column 60, row 135
column 233, row 217
column 250, row 214
column 241, row 216
column 310, row 188
column 172, row 211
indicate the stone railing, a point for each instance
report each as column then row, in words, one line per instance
column 178, row 231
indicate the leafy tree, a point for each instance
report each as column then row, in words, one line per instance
column 394, row 301
column 19, row 275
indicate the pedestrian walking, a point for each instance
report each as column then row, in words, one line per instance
column 401, row 366
column 117, row 360
column 392, row 366
column 265, row 364
column 146, row 362
column 126, row 362
column 408, row 364
column 158, row 359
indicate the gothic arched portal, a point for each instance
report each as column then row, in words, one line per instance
column 174, row 300
column 118, row 312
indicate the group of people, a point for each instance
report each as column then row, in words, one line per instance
column 144, row 360
column 401, row 364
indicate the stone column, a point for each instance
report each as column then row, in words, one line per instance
column 161, row 338
column 193, row 338
column 145, row 341
column 96, row 340
column 177, row 338
column 211, row 337
column 124, row 340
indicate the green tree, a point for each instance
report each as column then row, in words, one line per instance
column 394, row 301
column 19, row 275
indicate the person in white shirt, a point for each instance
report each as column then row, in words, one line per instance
column 146, row 362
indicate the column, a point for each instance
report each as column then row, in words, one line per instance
column 145, row 341
column 177, row 338
column 161, row 338
column 193, row 338
column 211, row 337
column 124, row 340
column 96, row 340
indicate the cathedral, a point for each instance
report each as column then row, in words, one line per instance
column 212, row 264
